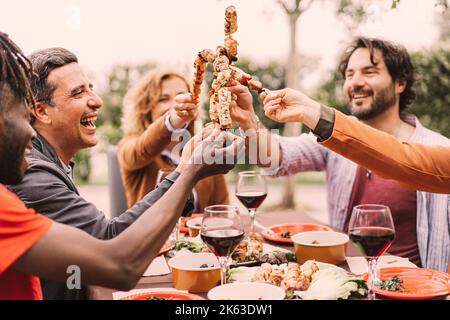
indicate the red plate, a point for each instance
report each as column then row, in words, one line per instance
column 166, row 247
column 183, row 228
column 419, row 283
column 293, row 228
column 165, row 295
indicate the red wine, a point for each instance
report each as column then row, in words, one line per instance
column 372, row 241
column 251, row 199
column 222, row 242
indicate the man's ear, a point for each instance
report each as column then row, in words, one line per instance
column 400, row 86
column 42, row 113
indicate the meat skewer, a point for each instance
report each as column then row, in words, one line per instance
column 224, row 71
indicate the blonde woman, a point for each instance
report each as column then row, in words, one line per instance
column 153, row 119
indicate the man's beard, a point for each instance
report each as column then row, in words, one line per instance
column 382, row 101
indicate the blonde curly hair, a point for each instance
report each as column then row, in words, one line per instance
column 141, row 98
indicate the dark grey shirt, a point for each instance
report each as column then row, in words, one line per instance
column 49, row 190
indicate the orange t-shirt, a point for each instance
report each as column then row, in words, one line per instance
column 20, row 229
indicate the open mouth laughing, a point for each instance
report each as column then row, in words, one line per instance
column 89, row 121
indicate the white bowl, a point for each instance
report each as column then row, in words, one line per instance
column 246, row 291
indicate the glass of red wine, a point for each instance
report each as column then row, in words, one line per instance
column 251, row 190
column 372, row 231
column 222, row 231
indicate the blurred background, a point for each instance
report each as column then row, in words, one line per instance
column 295, row 43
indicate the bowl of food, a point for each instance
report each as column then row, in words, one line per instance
column 323, row 246
column 246, row 291
column 196, row 272
column 183, row 227
column 194, row 225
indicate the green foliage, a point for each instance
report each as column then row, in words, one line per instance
column 120, row 79
column 432, row 103
column 82, row 167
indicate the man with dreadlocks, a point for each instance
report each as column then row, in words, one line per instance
column 32, row 244
column 64, row 118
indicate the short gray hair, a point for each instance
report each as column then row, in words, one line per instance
column 45, row 61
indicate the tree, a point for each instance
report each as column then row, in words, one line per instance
column 432, row 103
column 293, row 13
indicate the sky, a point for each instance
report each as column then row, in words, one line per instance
column 170, row 32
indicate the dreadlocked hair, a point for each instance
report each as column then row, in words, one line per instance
column 16, row 70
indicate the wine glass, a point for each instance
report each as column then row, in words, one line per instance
column 251, row 190
column 222, row 231
column 371, row 229
column 162, row 173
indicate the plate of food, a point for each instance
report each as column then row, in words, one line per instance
column 412, row 283
column 183, row 228
column 283, row 232
column 163, row 295
column 252, row 251
column 166, row 247
column 309, row 281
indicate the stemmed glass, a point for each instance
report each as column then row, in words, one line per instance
column 222, row 231
column 251, row 190
column 372, row 230
column 162, row 173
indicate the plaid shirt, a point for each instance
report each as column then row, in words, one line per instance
column 303, row 153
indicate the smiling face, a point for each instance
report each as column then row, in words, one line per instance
column 170, row 87
column 369, row 87
column 74, row 109
column 15, row 137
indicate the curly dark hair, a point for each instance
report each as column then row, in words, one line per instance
column 395, row 57
column 15, row 70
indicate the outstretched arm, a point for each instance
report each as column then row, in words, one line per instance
column 119, row 263
column 416, row 166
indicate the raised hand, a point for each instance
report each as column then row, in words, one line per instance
column 288, row 105
column 241, row 107
column 211, row 152
column 184, row 111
